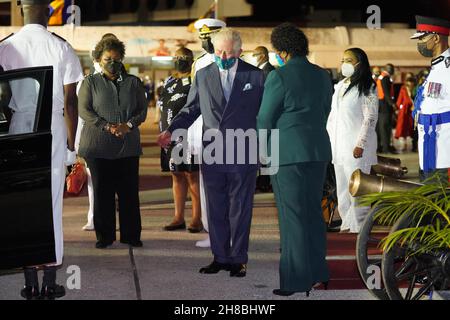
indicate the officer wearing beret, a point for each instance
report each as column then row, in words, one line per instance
column 432, row 103
column 205, row 28
column 35, row 46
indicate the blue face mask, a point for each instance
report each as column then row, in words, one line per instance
column 225, row 64
column 280, row 60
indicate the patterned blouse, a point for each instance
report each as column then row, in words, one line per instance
column 172, row 99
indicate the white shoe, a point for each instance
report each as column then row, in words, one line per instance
column 88, row 227
column 205, row 243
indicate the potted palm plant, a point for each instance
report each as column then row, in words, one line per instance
column 416, row 253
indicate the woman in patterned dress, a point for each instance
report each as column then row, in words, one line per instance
column 185, row 176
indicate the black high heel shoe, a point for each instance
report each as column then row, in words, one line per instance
column 317, row 285
column 284, row 293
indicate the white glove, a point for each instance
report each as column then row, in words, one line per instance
column 71, row 158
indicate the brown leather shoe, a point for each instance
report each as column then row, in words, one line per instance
column 175, row 226
column 195, row 228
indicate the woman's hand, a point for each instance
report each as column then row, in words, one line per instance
column 358, row 152
column 120, row 130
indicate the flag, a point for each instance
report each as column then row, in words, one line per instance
column 211, row 13
column 58, row 12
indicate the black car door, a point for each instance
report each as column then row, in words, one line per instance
column 26, row 222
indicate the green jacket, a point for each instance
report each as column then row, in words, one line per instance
column 297, row 101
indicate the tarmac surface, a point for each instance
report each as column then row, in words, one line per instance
column 166, row 267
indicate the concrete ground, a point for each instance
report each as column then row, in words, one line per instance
column 167, row 266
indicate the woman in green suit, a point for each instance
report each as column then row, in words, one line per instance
column 297, row 101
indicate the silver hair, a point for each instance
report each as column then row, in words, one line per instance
column 228, row 34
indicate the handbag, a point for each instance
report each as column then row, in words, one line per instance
column 76, row 179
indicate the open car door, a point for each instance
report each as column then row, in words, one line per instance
column 26, row 222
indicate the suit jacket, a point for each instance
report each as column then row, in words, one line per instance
column 267, row 68
column 297, row 101
column 206, row 98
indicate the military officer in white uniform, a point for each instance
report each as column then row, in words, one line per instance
column 432, row 103
column 195, row 132
column 35, row 46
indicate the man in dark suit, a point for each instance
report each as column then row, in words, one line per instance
column 386, row 109
column 228, row 95
column 262, row 59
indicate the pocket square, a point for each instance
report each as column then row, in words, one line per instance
column 248, row 86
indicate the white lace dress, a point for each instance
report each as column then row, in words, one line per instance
column 351, row 124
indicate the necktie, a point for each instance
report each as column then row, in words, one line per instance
column 227, row 86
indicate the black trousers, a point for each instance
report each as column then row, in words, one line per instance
column 384, row 131
column 111, row 177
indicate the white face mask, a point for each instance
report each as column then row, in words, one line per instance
column 347, row 69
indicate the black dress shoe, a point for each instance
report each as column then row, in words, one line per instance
column 30, row 293
column 172, row 226
column 53, row 292
column 103, row 244
column 136, row 243
column 215, row 267
column 195, row 229
column 238, row 270
column 284, row 293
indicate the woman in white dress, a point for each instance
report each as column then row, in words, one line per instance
column 351, row 127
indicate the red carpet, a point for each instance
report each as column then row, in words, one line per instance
column 344, row 273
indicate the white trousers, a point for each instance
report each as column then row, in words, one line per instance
column 59, row 148
column 351, row 214
column 90, row 215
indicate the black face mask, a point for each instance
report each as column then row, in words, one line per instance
column 113, row 67
column 207, row 45
column 182, row 65
column 423, row 50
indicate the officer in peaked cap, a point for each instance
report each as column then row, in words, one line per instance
column 34, row 46
column 432, row 102
column 205, row 28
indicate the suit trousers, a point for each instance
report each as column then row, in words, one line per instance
column 229, row 197
column 111, row 177
column 298, row 192
column 384, row 131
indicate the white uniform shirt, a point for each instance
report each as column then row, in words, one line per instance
column 351, row 124
column 440, row 73
column 195, row 131
column 35, row 46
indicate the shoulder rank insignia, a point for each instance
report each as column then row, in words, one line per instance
column 7, row 37
column 58, row 36
column 437, row 60
column 447, row 62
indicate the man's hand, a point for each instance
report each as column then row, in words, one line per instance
column 164, row 139
column 71, row 158
column 358, row 152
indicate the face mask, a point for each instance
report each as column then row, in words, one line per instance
column 225, row 64
column 280, row 60
column 347, row 69
column 113, row 67
column 207, row 45
column 97, row 67
column 423, row 50
column 182, row 65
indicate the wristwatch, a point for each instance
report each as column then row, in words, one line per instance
column 129, row 125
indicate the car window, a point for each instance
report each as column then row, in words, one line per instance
column 18, row 106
